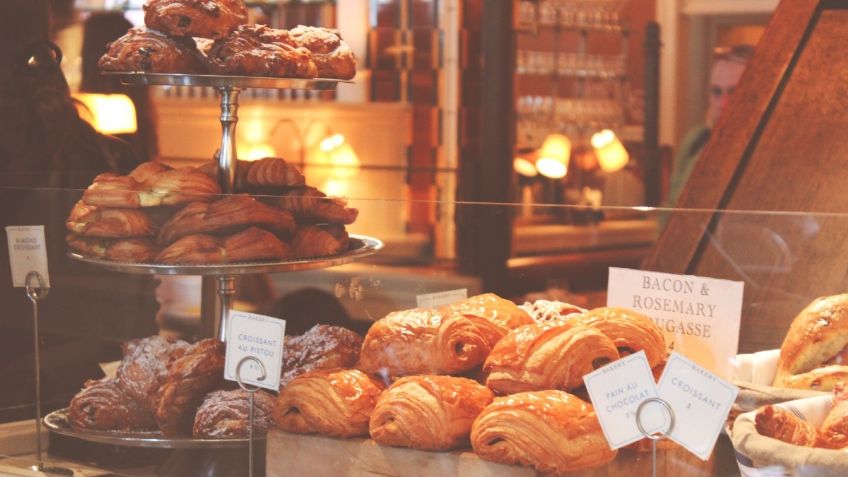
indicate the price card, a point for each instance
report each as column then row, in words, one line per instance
column 260, row 337
column 27, row 253
column 699, row 316
column 700, row 401
column 435, row 300
column 616, row 390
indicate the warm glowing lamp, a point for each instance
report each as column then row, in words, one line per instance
column 341, row 157
column 108, row 113
column 524, row 167
column 609, row 150
column 553, row 157
column 254, row 152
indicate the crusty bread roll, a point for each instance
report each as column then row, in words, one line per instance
column 813, row 354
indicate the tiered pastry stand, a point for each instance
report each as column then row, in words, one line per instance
column 211, row 456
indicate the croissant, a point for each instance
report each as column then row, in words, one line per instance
column 335, row 403
column 270, row 171
column 145, row 366
column 226, row 414
column 102, row 405
column 630, row 331
column 248, row 245
column 549, row 310
column 834, row 430
column 150, row 186
column 310, row 205
column 189, row 379
column 493, row 315
column 814, row 354
column 314, row 241
column 428, row 412
column 94, row 221
column 550, row 355
column 422, row 341
column 138, row 250
column 552, row 431
column 322, row 347
column 783, row 425
column 227, row 214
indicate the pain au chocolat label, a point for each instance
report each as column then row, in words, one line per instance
column 699, row 316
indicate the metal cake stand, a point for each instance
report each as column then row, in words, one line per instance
column 193, row 456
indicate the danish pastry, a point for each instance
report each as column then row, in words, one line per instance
column 256, row 50
column 552, row 431
column 150, row 51
column 814, row 354
column 550, row 355
column 322, row 347
column 103, row 405
column 201, row 18
column 335, row 403
column 226, row 414
column 145, row 366
column 333, row 57
column 428, row 412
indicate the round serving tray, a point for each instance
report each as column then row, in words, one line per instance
column 57, row 421
column 361, row 246
column 224, row 81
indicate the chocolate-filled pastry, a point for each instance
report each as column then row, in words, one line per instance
column 332, row 56
column 102, row 405
column 145, row 366
column 551, row 310
column 335, row 403
column 322, row 347
column 550, row 355
column 630, row 331
column 552, row 431
column 781, row 424
column 226, row 414
column 311, row 241
column 493, row 315
column 833, row 433
column 150, row 51
column 814, row 354
column 224, row 215
column 251, row 244
column 256, row 50
column 134, row 250
column 310, row 205
column 202, row 18
column 92, row 221
column 189, row 379
column 428, row 412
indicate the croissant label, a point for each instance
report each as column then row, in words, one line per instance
column 700, row 317
column 258, row 338
column 27, row 253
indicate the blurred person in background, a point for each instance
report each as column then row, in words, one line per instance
column 728, row 65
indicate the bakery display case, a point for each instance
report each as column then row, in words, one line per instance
column 392, row 381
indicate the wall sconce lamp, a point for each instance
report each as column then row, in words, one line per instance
column 107, row 113
column 611, row 154
column 553, row 156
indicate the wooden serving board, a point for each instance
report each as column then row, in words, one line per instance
column 290, row 455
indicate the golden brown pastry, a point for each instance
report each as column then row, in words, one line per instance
column 103, row 405
column 318, row 241
column 630, row 331
column 422, row 341
column 150, row 51
column 332, row 56
column 269, row 174
column 145, row 366
column 551, row 310
column 552, row 431
column 781, row 424
column 92, row 221
column 202, row 18
column 225, row 215
column 814, row 354
column 141, row 188
column 256, row 50
column 136, row 250
column 251, row 244
column 322, row 347
column 310, row 205
column 550, row 355
column 833, row 433
column 189, row 379
column 428, row 412
column 493, row 315
column 333, row 403
column 226, row 414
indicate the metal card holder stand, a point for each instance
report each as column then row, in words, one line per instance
column 251, row 390
column 657, row 436
column 37, row 291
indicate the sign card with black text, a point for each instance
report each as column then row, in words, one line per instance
column 257, row 336
column 699, row 316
